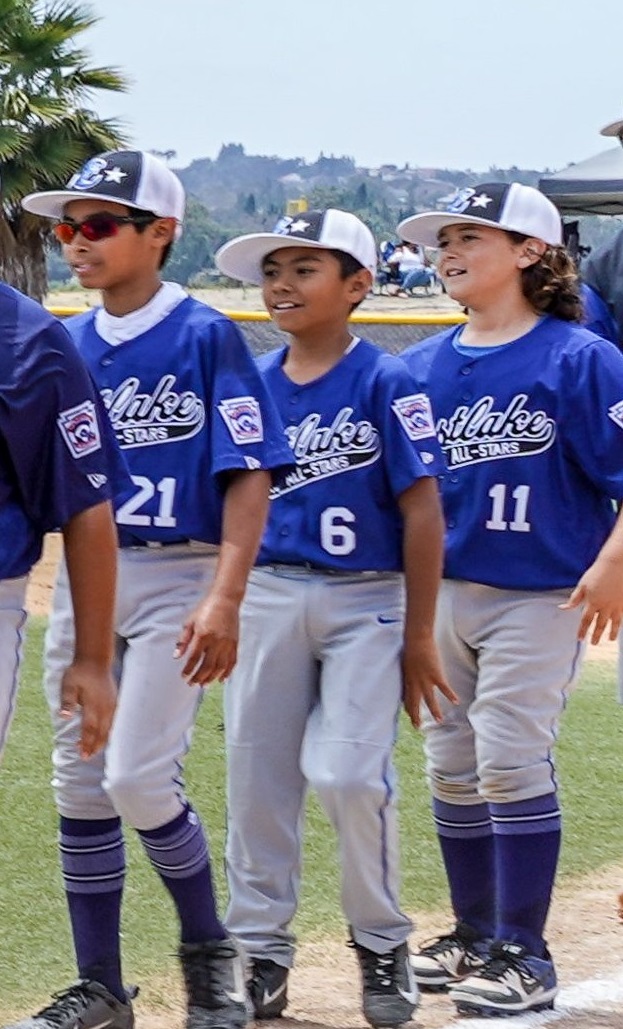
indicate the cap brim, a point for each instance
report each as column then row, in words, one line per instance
column 52, row 204
column 615, row 128
column 425, row 228
column 243, row 258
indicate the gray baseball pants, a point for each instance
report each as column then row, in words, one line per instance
column 314, row 700
column 139, row 776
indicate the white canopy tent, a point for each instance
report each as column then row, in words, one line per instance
column 594, row 186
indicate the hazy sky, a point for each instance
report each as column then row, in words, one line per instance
column 432, row 82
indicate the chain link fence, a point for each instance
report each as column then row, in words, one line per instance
column 393, row 332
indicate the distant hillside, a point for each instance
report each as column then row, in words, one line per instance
column 252, row 190
column 239, row 192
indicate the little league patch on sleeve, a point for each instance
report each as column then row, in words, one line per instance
column 243, row 419
column 415, row 415
column 80, row 429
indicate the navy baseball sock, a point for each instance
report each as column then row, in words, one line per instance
column 466, row 841
column 93, row 865
column 527, row 844
column 179, row 853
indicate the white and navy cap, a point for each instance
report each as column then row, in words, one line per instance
column 501, row 205
column 242, row 258
column 133, row 178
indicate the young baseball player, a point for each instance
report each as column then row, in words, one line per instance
column 529, row 413
column 193, row 418
column 338, row 615
column 55, row 472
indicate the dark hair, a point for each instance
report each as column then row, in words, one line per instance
column 349, row 265
column 141, row 226
column 552, row 284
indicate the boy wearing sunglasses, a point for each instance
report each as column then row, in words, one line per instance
column 200, row 434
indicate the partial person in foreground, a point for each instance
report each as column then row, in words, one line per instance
column 199, row 434
column 529, row 413
column 338, row 617
column 602, row 271
column 56, row 467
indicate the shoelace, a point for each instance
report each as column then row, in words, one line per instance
column 500, row 965
column 442, row 944
column 261, row 968
column 67, row 1003
column 205, row 979
column 377, row 970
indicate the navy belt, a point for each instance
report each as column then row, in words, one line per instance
column 311, row 569
column 155, row 544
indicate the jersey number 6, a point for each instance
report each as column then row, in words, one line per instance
column 335, row 536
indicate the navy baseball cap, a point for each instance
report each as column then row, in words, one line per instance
column 133, row 178
column 242, row 258
column 501, row 205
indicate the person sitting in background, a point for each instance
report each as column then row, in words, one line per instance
column 412, row 269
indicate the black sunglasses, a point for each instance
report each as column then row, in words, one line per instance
column 98, row 226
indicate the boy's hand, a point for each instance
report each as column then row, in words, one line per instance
column 90, row 690
column 600, row 592
column 209, row 641
column 422, row 676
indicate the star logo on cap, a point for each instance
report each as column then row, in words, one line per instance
column 481, row 201
column 114, row 174
column 300, row 225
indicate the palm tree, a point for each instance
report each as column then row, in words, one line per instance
column 47, row 130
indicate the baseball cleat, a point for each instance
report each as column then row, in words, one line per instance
column 267, row 986
column 85, row 1005
column 215, row 988
column 390, row 993
column 450, row 958
column 511, row 982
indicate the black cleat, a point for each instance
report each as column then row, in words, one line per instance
column 215, row 989
column 512, row 982
column 390, row 993
column 448, row 959
column 267, row 987
column 85, row 1005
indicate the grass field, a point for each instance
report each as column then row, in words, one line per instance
column 36, row 946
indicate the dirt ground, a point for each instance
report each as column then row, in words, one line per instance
column 249, row 298
column 324, row 985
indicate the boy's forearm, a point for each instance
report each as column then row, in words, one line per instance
column 423, row 539
column 90, row 544
column 612, row 549
column 244, row 516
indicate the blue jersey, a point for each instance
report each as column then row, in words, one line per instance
column 187, row 405
column 361, row 435
column 533, row 437
column 597, row 315
column 55, row 460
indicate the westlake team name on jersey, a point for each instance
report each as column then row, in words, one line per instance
column 322, row 451
column 147, row 419
column 477, row 433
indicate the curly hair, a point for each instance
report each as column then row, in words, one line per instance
column 552, row 284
